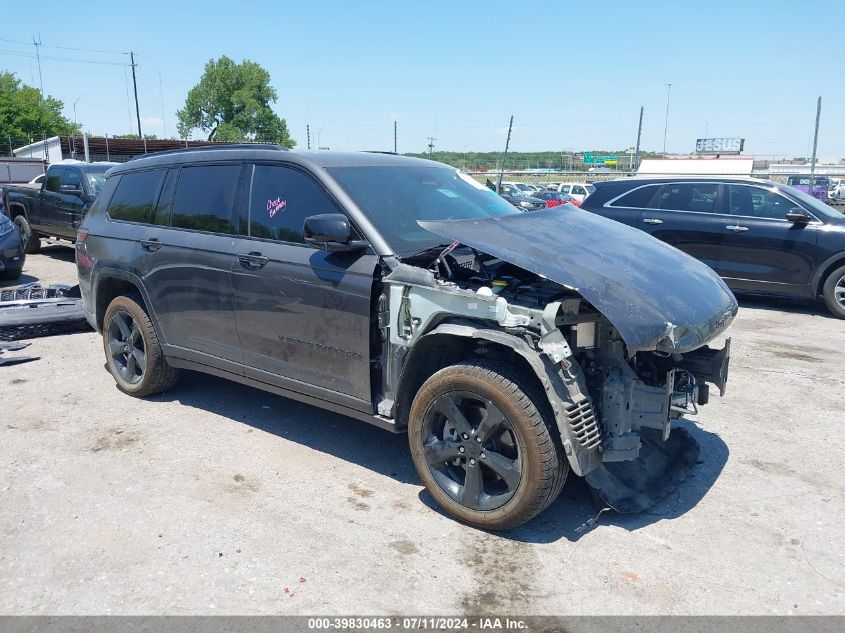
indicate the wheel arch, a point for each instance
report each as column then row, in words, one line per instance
column 825, row 269
column 448, row 344
column 453, row 342
column 17, row 209
column 113, row 283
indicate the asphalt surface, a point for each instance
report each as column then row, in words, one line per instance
column 219, row 498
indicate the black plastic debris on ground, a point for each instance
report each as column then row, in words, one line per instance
column 14, row 360
column 33, row 310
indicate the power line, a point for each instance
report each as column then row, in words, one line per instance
column 66, row 48
column 60, row 59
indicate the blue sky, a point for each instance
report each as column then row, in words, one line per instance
column 573, row 74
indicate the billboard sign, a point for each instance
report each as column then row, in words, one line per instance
column 719, row 145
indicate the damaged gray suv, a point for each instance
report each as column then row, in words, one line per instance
column 512, row 347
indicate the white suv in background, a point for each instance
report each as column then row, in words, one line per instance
column 576, row 190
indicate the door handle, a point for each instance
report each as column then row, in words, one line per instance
column 653, row 221
column 253, row 260
column 736, row 228
column 151, row 244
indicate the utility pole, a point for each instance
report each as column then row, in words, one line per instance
column 504, row 157
column 41, row 84
column 38, row 59
column 135, row 87
column 395, row 144
column 666, row 122
column 815, row 145
column 308, row 134
column 639, row 136
column 431, row 140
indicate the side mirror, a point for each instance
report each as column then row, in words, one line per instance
column 70, row 190
column 797, row 215
column 331, row 232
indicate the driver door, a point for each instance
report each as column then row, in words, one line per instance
column 303, row 315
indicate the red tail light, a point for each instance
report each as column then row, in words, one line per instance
column 81, row 234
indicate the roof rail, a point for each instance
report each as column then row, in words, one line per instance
column 215, row 147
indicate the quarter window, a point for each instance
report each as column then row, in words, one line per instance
column 758, row 203
column 640, row 198
column 281, row 199
column 688, row 196
column 135, row 196
column 204, row 198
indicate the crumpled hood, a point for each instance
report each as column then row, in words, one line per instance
column 657, row 297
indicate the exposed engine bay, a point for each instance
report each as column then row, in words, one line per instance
column 614, row 408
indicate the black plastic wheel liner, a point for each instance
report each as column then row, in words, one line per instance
column 633, row 486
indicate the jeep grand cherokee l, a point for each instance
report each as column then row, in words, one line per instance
column 512, row 347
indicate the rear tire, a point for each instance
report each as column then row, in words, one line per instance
column 834, row 292
column 491, row 474
column 133, row 352
column 31, row 240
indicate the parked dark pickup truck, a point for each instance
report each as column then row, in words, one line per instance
column 57, row 206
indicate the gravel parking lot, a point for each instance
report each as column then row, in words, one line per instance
column 219, row 498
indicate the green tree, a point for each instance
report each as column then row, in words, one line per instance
column 232, row 103
column 25, row 115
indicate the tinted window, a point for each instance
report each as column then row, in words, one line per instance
column 759, row 203
column 71, row 177
column 640, row 198
column 53, row 179
column 135, row 196
column 578, row 191
column 687, row 196
column 280, row 201
column 204, row 198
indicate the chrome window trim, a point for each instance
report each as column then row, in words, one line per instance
column 609, row 204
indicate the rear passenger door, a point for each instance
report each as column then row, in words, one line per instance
column 687, row 216
column 303, row 315
column 628, row 207
column 185, row 262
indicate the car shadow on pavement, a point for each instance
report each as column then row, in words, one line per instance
column 23, row 279
column 784, row 304
column 577, row 512
column 62, row 251
column 571, row 516
column 348, row 439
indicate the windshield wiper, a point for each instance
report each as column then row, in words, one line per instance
column 430, row 249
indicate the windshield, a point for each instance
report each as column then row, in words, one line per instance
column 96, row 176
column 813, row 204
column 394, row 198
column 590, row 189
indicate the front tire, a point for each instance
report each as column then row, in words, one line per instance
column 31, row 240
column 133, row 352
column 834, row 292
column 481, row 442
